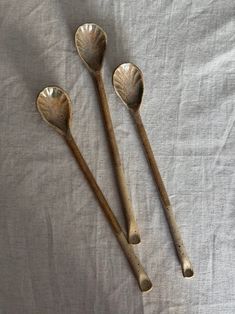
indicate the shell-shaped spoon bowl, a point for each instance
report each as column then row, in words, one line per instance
column 54, row 105
column 90, row 41
column 128, row 84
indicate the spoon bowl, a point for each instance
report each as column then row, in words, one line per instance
column 54, row 105
column 90, row 41
column 128, row 84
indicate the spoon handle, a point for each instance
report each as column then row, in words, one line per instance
column 178, row 242
column 132, row 228
column 138, row 270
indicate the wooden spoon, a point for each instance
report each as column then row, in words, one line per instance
column 129, row 86
column 91, row 41
column 54, row 105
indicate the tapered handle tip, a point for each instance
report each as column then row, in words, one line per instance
column 188, row 273
column 145, row 285
column 187, row 269
column 133, row 234
column 134, row 238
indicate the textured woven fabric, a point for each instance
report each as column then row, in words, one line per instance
column 58, row 254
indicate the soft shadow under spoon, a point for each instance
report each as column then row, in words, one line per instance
column 90, row 41
column 54, row 105
column 129, row 86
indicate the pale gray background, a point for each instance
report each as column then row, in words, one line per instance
column 58, row 255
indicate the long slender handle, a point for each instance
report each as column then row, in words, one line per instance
column 179, row 245
column 132, row 228
column 139, row 272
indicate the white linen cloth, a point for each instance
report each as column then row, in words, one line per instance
column 58, row 254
